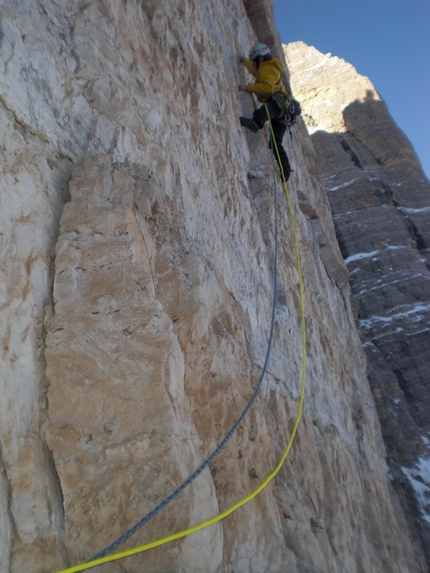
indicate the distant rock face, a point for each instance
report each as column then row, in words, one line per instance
column 137, row 257
column 380, row 200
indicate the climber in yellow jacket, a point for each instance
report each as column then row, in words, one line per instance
column 269, row 89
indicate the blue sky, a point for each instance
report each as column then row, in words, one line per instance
column 386, row 40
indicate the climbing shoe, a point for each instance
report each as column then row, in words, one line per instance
column 249, row 123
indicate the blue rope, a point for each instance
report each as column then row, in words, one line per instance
column 206, row 463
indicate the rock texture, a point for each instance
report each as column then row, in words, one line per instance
column 137, row 252
column 381, row 207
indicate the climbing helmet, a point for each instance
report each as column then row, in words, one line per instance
column 259, row 51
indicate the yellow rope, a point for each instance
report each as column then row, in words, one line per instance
column 252, row 495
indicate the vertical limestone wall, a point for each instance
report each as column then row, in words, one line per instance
column 137, row 255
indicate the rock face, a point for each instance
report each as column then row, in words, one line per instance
column 380, row 200
column 137, row 256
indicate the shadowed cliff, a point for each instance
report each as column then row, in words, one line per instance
column 380, row 199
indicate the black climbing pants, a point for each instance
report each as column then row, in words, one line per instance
column 279, row 126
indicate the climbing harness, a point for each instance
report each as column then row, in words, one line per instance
column 289, row 107
column 281, row 101
column 102, row 557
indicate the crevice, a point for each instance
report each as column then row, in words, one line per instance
column 6, row 542
column 351, row 152
column 22, row 123
column 64, row 198
column 57, row 504
column 56, row 498
column 421, row 244
column 342, row 242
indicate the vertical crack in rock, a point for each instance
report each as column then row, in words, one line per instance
column 6, row 517
column 57, row 501
column 420, row 240
column 354, row 157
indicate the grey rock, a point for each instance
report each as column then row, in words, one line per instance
column 380, row 200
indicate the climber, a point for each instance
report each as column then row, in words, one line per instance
column 269, row 89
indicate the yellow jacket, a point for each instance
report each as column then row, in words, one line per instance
column 268, row 79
